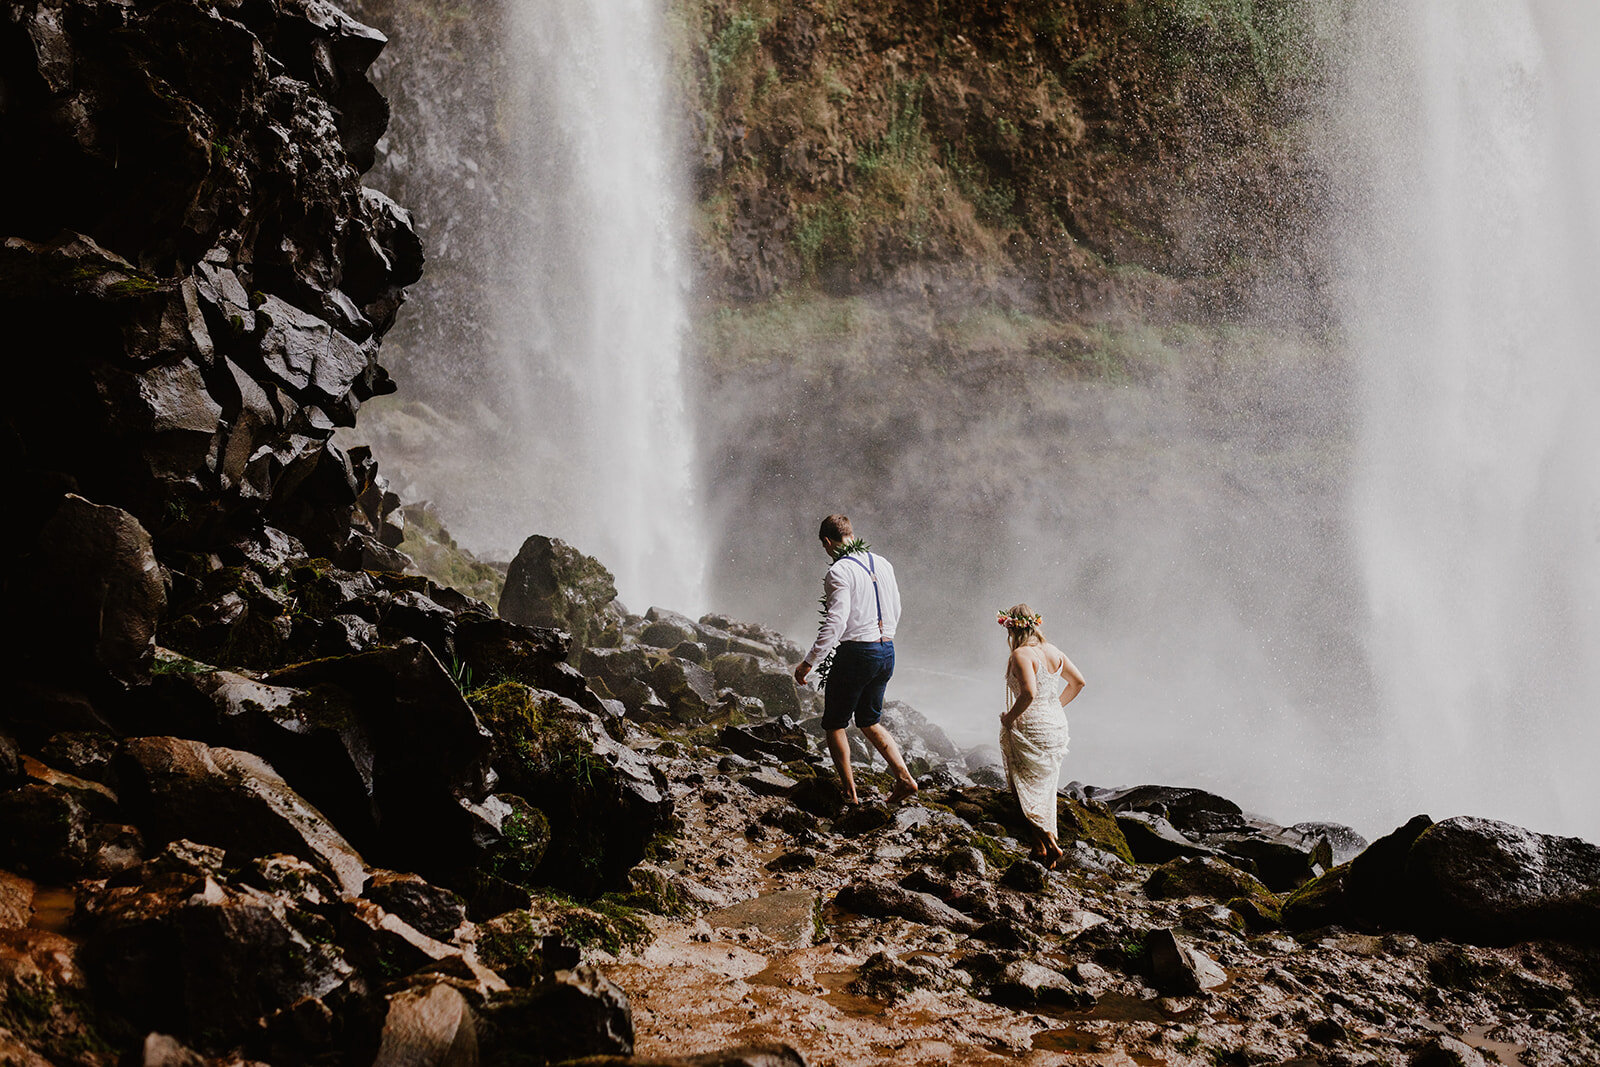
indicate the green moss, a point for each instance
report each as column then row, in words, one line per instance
column 1320, row 902
column 55, row 1020
column 1092, row 823
column 996, row 855
column 135, row 286
column 525, row 835
column 603, row 924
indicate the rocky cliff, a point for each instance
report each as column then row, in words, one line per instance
column 268, row 796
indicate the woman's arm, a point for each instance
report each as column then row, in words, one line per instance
column 1019, row 669
column 1075, row 682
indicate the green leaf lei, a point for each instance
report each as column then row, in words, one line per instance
column 855, row 544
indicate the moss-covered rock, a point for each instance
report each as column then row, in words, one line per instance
column 1320, row 902
column 1202, row 876
column 1093, row 823
column 550, row 583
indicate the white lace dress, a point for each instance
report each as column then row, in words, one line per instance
column 1034, row 747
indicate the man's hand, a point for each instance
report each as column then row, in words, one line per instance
column 800, row 672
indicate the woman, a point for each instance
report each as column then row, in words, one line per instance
column 1040, row 682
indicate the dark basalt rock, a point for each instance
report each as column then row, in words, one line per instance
column 1152, row 839
column 738, row 1056
column 862, row 818
column 1188, row 810
column 781, row 740
column 1026, row 876
column 552, row 584
column 1493, row 883
column 43, row 832
column 181, row 789
column 436, row 912
column 1284, row 859
column 1202, row 876
column 186, row 952
column 570, row 1014
column 92, row 593
column 874, row 898
column 768, row 681
column 1373, row 884
column 1178, row 968
column 604, row 802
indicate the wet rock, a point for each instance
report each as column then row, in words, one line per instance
column 10, row 761
column 883, row 901
column 821, row 795
column 187, row 953
column 184, row 789
column 552, row 584
column 570, row 1014
column 788, row 916
column 1320, row 902
column 1188, row 810
column 436, row 912
column 428, row 1027
column 16, row 901
column 768, row 681
column 779, row 741
column 1493, row 883
column 1373, row 886
column 1027, row 984
column 1006, row 934
column 738, row 1056
column 1443, row 1050
column 965, row 860
column 1344, row 844
column 862, row 818
column 688, row 689
column 92, row 593
column 768, row 782
column 889, row 978
column 722, row 634
column 1283, row 859
column 664, row 629
column 1180, row 969
column 1202, row 876
column 164, row 1050
column 798, row 860
column 1152, row 839
column 1026, row 876
column 86, row 754
column 603, row 801
column 43, row 832
column 497, row 649
column 112, row 848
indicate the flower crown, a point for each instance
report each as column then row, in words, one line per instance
column 1018, row 620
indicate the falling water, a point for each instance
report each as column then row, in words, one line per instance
column 1475, row 302
column 599, row 449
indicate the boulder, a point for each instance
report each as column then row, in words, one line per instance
column 603, row 801
column 887, row 900
column 185, row 952
column 664, row 629
column 768, row 681
column 1028, row 984
column 181, row 789
column 44, row 832
column 570, row 1014
column 428, row 1026
column 768, row 782
column 1202, row 876
column 91, row 594
column 1373, row 887
column 1284, row 859
column 436, row 912
column 1026, row 876
column 787, row 916
column 862, row 818
column 1179, row 969
column 1490, row 882
column 1190, row 811
column 889, row 978
column 1152, row 839
column 552, row 584
column 688, row 689
column 781, row 740
column 1344, row 844
column 1323, row 901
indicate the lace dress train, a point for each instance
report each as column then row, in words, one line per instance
column 1033, row 748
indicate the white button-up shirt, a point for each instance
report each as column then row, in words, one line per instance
column 852, row 613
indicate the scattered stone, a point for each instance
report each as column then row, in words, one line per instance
column 788, row 916
column 430, row 1026
column 1179, row 969
column 799, row 860
column 874, row 898
column 1027, row 984
column 965, row 860
column 1443, row 1050
column 572, row 1013
column 768, row 782
column 862, row 818
column 1026, row 876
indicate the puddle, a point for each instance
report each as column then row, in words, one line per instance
column 837, row 984
column 1120, row 1008
column 52, row 909
column 1508, row 1054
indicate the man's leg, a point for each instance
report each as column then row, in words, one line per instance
column 839, row 747
column 883, row 741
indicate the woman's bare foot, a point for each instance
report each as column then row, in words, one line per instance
column 1052, row 855
column 903, row 790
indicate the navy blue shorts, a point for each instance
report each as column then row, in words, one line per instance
column 860, row 671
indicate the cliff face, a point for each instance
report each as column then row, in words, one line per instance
column 1080, row 158
column 192, row 270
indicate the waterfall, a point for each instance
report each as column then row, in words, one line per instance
column 598, row 448
column 1474, row 306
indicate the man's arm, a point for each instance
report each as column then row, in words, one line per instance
column 837, row 590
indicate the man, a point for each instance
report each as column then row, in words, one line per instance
column 863, row 608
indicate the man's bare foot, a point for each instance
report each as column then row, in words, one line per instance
column 903, row 791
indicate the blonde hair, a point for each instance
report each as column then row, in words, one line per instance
column 1023, row 627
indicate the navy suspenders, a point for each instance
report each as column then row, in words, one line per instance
column 872, row 572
